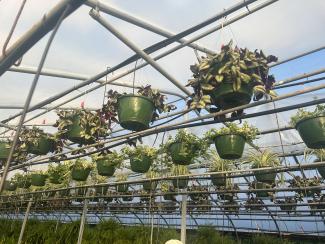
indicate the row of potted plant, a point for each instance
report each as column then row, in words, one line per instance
column 84, row 127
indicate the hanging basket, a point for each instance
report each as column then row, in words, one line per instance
column 180, row 183
column 122, row 187
column 10, row 186
column 104, row 168
column 128, row 198
column 312, row 132
column 169, row 197
column 24, row 184
column 74, row 132
column 140, row 165
column 63, row 193
column 265, row 177
column 135, row 112
column 179, row 153
column 230, row 146
column 225, row 97
column 80, row 174
column 38, row 179
column 4, row 150
column 321, row 171
column 219, row 180
column 43, row 147
column 261, row 185
column 101, row 190
column 149, row 185
column 55, row 179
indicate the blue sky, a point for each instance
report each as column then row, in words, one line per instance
column 83, row 46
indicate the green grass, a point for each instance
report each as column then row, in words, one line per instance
column 111, row 232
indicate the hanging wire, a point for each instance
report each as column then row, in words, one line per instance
column 4, row 48
column 133, row 80
column 105, row 87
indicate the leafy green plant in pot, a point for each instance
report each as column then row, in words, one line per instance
column 150, row 185
column 122, row 187
column 135, row 111
column 230, row 78
column 226, row 195
column 10, row 185
column 311, row 126
column 167, row 189
column 289, row 204
column 80, row 169
column 259, row 186
column 218, row 165
column 38, row 178
column 299, row 182
column 99, row 179
column 184, row 148
column 230, row 140
column 19, row 155
column 22, row 180
column 106, row 164
column 181, row 181
column 37, row 142
column 4, row 149
column 141, row 157
column 320, row 157
column 261, row 160
column 81, row 126
column 59, row 173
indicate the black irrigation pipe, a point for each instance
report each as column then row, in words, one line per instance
column 299, row 83
column 174, row 212
column 245, row 116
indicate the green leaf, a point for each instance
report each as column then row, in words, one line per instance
column 219, row 78
column 207, row 87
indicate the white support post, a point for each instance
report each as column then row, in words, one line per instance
column 83, row 218
column 183, row 225
column 22, row 230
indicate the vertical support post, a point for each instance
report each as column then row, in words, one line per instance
column 22, row 230
column 183, row 224
column 83, row 219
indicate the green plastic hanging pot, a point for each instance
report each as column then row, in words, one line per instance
column 38, row 179
column 104, row 168
column 312, row 132
column 219, row 180
column 230, row 146
column 226, row 97
column 265, row 176
column 180, row 153
column 321, row 171
column 149, row 185
column 122, row 187
column 10, row 186
column 74, row 132
column 180, row 183
column 4, row 150
column 140, row 165
column 80, row 174
column 169, row 197
column 135, row 112
column 44, row 146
